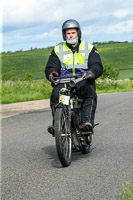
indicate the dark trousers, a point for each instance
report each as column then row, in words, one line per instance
column 86, row 91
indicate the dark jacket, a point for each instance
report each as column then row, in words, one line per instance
column 94, row 62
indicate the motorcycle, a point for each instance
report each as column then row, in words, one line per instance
column 69, row 136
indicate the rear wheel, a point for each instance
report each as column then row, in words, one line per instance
column 62, row 137
column 86, row 144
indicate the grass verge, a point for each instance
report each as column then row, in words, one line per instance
column 20, row 91
column 110, row 86
column 126, row 193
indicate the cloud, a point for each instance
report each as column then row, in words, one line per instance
column 1, row 13
column 17, row 12
column 123, row 27
column 122, row 13
column 30, row 37
column 38, row 22
column 23, row 13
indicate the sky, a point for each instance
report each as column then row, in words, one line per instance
column 26, row 24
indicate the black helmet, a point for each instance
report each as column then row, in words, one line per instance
column 71, row 23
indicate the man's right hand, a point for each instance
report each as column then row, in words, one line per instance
column 53, row 74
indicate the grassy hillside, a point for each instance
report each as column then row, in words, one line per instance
column 119, row 55
column 21, row 62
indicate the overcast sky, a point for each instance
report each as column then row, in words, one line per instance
column 37, row 23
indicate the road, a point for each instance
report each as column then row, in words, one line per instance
column 31, row 169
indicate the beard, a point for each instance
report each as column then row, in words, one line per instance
column 72, row 40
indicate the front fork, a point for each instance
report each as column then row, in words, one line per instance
column 67, row 109
column 68, row 115
column 69, row 119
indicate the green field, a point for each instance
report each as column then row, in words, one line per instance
column 21, row 62
column 118, row 55
column 123, row 74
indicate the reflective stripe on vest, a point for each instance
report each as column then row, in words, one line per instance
column 81, row 58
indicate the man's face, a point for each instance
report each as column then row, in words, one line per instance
column 71, row 33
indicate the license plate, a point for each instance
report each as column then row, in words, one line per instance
column 64, row 99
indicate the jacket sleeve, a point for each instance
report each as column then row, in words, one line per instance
column 95, row 63
column 53, row 64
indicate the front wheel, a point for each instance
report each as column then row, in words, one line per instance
column 62, row 137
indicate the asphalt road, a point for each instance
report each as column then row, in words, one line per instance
column 31, row 169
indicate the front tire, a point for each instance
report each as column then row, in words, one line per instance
column 62, row 137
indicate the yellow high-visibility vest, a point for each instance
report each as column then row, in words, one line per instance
column 70, row 60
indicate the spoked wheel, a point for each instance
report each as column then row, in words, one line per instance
column 86, row 144
column 62, row 137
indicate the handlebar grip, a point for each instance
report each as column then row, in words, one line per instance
column 89, row 76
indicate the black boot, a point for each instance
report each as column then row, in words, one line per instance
column 88, row 114
column 51, row 127
column 86, row 126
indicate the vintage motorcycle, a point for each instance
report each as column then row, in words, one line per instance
column 69, row 136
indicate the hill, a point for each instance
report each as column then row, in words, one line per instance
column 119, row 55
column 21, row 62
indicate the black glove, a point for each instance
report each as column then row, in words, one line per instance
column 53, row 74
column 89, row 75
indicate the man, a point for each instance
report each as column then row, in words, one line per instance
column 75, row 57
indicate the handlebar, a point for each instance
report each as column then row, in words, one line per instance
column 72, row 80
column 86, row 76
column 62, row 79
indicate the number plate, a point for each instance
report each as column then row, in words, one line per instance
column 64, row 99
